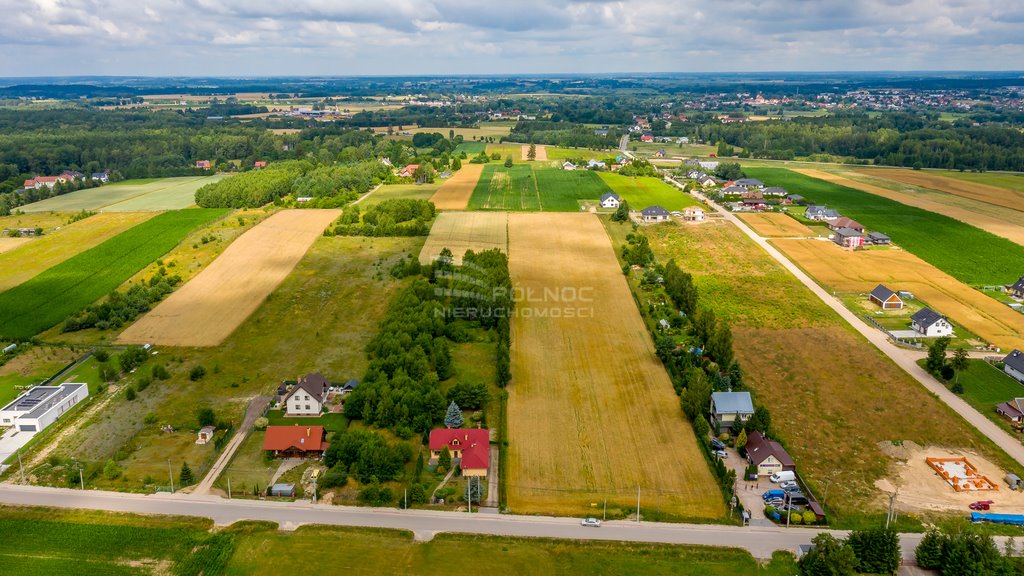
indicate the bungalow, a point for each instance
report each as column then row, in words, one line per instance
column 204, row 164
column 38, row 407
column 470, row 448
column 774, row 191
column 730, row 408
column 755, row 204
column 796, row 199
column 307, row 397
column 654, row 214
column 1013, row 365
column 205, row 434
column 886, row 299
column 930, row 323
column 848, row 238
column 568, row 165
column 1012, row 410
column 877, row 239
column 844, row 222
column 768, row 455
column 408, row 170
column 610, row 200
column 693, row 214
column 647, row 137
column 733, row 190
column 820, row 213
column 1017, row 290
column 596, row 164
column 295, row 441
column 750, row 183
column 706, row 181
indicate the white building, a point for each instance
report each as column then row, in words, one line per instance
column 610, row 200
column 1013, row 365
column 307, row 397
column 38, row 407
column 930, row 324
column 693, row 214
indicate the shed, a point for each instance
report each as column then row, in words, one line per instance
column 205, row 434
column 1014, row 482
column 282, row 491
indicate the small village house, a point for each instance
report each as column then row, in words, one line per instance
column 844, row 222
column 38, row 407
column 295, row 441
column 877, row 239
column 749, row 183
column 204, row 164
column 774, row 191
column 1013, row 365
column 930, row 324
column 1017, row 288
column 693, row 214
column 848, row 238
column 729, row 409
column 610, row 200
column 44, row 181
column 886, row 298
column 259, row 164
column 307, row 397
column 101, row 176
column 470, row 448
column 820, row 213
column 568, row 165
column 767, row 455
column 1012, row 410
column 653, row 214
column 408, row 170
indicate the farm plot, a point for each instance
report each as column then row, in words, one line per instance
column 586, row 383
column 129, row 196
column 455, row 193
column 945, row 204
column 207, row 309
column 399, row 192
column 1005, row 190
column 647, row 191
column 832, row 414
column 461, row 231
column 562, row 190
column 8, row 244
column 540, row 150
column 66, row 288
column 969, row 254
column 860, row 271
column 501, row 188
column 23, row 262
column 775, row 224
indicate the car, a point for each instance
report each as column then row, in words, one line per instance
column 591, row 522
column 773, row 495
column 798, row 499
column 790, row 486
column 721, row 454
column 981, row 505
column 717, row 444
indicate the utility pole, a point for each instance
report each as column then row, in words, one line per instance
column 229, row 488
column 21, row 467
column 81, row 478
column 314, row 489
column 638, row 504
column 605, row 516
column 469, row 490
column 788, row 506
column 891, row 516
column 406, row 499
column 170, row 475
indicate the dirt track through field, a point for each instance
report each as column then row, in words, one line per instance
column 862, row 270
column 973, row 190
column 454, row 194
column 988, row 223
column 591, row 411
column 461, row 231
column 212, row 305
column 541, row 151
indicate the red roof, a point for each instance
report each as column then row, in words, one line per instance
column 202, row 163
column 475, row 444
column 302, row 438
column 260, row 163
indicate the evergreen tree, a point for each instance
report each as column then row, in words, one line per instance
column 741, row 440
column 454, row 419
column 937, row 355
column 444, row 461
column 419, row 467
column 959, row 362
column 473, row 489
column 508, row 161
column 761, row 421
column 186, row 477
column 720, row 345
column 829, row 557
column 621, row 213
column 877, row 550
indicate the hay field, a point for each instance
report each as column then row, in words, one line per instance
column 775, row 224
column 128, row 196
column 456, row 191
column 862, row 270
column 1008, row 180
column 25, row 262
column 212, row 305
column 461, row 231
column 541, row 151
column 959, row 185
column 8, row 244
column 998, row 226
column 591, row 411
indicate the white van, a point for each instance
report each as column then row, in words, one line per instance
column 783, row 476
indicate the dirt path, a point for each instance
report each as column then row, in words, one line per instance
column 905, row 359
column 255, row 409
column 541, row 151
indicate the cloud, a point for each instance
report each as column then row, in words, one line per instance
column 261, row 37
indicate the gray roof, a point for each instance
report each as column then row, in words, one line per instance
column 1015, row 360
column 733, row 190
column 796, row 197
column 882, row 293
column 749, row 182
column 847, row 233
column 880, row 236
column 775, row 191
column 608, row 195
column 654, row 211
column 732, row 402
column 313, row 384
column 1018, row 285
column 926, row 317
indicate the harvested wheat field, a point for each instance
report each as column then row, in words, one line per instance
column 7, row 244
column 862, row 270
column 591, row 411
column 454, row 194
column 775, row 224
column 989, row 194
column 207, row 309
column 998, row 226
column 461, row 231
column 541, row 151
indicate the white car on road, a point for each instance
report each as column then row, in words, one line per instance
column 592, row 522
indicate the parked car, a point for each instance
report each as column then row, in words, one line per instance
column 717, row 444
column 721, row 454
column 591, row 522
column 798, row 499
column 790, row 486
column 782, row 476
column 773, row 495
column 981, row 505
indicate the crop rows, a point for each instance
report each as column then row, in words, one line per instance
column 55, row 294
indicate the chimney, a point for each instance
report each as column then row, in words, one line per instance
column 307, row 432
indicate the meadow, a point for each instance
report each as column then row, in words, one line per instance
column 776, row 224
column 647, row 191
column 985, row 386
column 399, row 191
column 129, row 196
column 31, row 367
column 528, row 187
column 50, row 297
column 999, row 188
column 969, row 254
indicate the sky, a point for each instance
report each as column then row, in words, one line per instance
column 438, row 37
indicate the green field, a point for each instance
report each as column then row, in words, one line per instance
column 1008, row 180
column 50, row 542
column 52, row 296
column 647, row 191
column 470, row 148
column 531, row 187
column 129, row 196
column 985, row 386
column 969, row 254
column 401, row 191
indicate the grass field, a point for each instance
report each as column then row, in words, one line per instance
column 531, row 187
column 562, row 154
column 50, row 297
column 28, row 260
column 1001, row 189
column 985, row 386
column 831, row 414
column 400, row 191
column 7, row 244
column 455, row 192
column 208, row 308
column 461, row 231
column 129, row 196
column 470, row 148
column 969, row 254
column 586, row 383
column 774, row 224
column 647, row 191
column 31, row 367
column 562, row 190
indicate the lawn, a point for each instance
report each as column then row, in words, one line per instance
column 647, row 191
column 985, row 386
column 969, row 254
column 249, row 469
column 52, row 296
column 129, row 196
column 562, row 154
column 31, row 367
column 562, row 190
column 531, row 187
column 334, row 422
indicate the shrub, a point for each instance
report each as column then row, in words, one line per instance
column 197, row 373
column 206, row 416
column 336, row 476
column 111, row 470
column 810, row 517
column 261, row 423
column 795, row 518
column 160, row 372
column 143, row 383
column 129, row 394
column 101, row 355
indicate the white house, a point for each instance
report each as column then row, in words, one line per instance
column 307, row 397
column 654, row 214
column 693, row 214
column 568, row 165
column 930, row 323
column 610, row 200
column 1013, row 365
column 708, row 165
column 38, row 407
column 596, row 164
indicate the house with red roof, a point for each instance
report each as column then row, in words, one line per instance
column 41, row 181
column 260, row 164
column 295, row 441
column 408, row 171
column 204, row 164
column 470, row 448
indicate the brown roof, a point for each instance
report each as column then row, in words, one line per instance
column 760, row 448
column 314, row 384
column 302, row 438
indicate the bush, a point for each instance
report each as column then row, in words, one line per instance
column 101, row 355
column 143, row 383
column 810, row 517
column 160, row 372
column 111, row 470
column 197, row 373
column 795, row 518
column 129, row 394
column 335, row 477
column 108, row 373
column 261, row 423
column 131, row 358
column 206, row 417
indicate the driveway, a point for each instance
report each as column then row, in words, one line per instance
column 255, row 409
column 748, row 493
